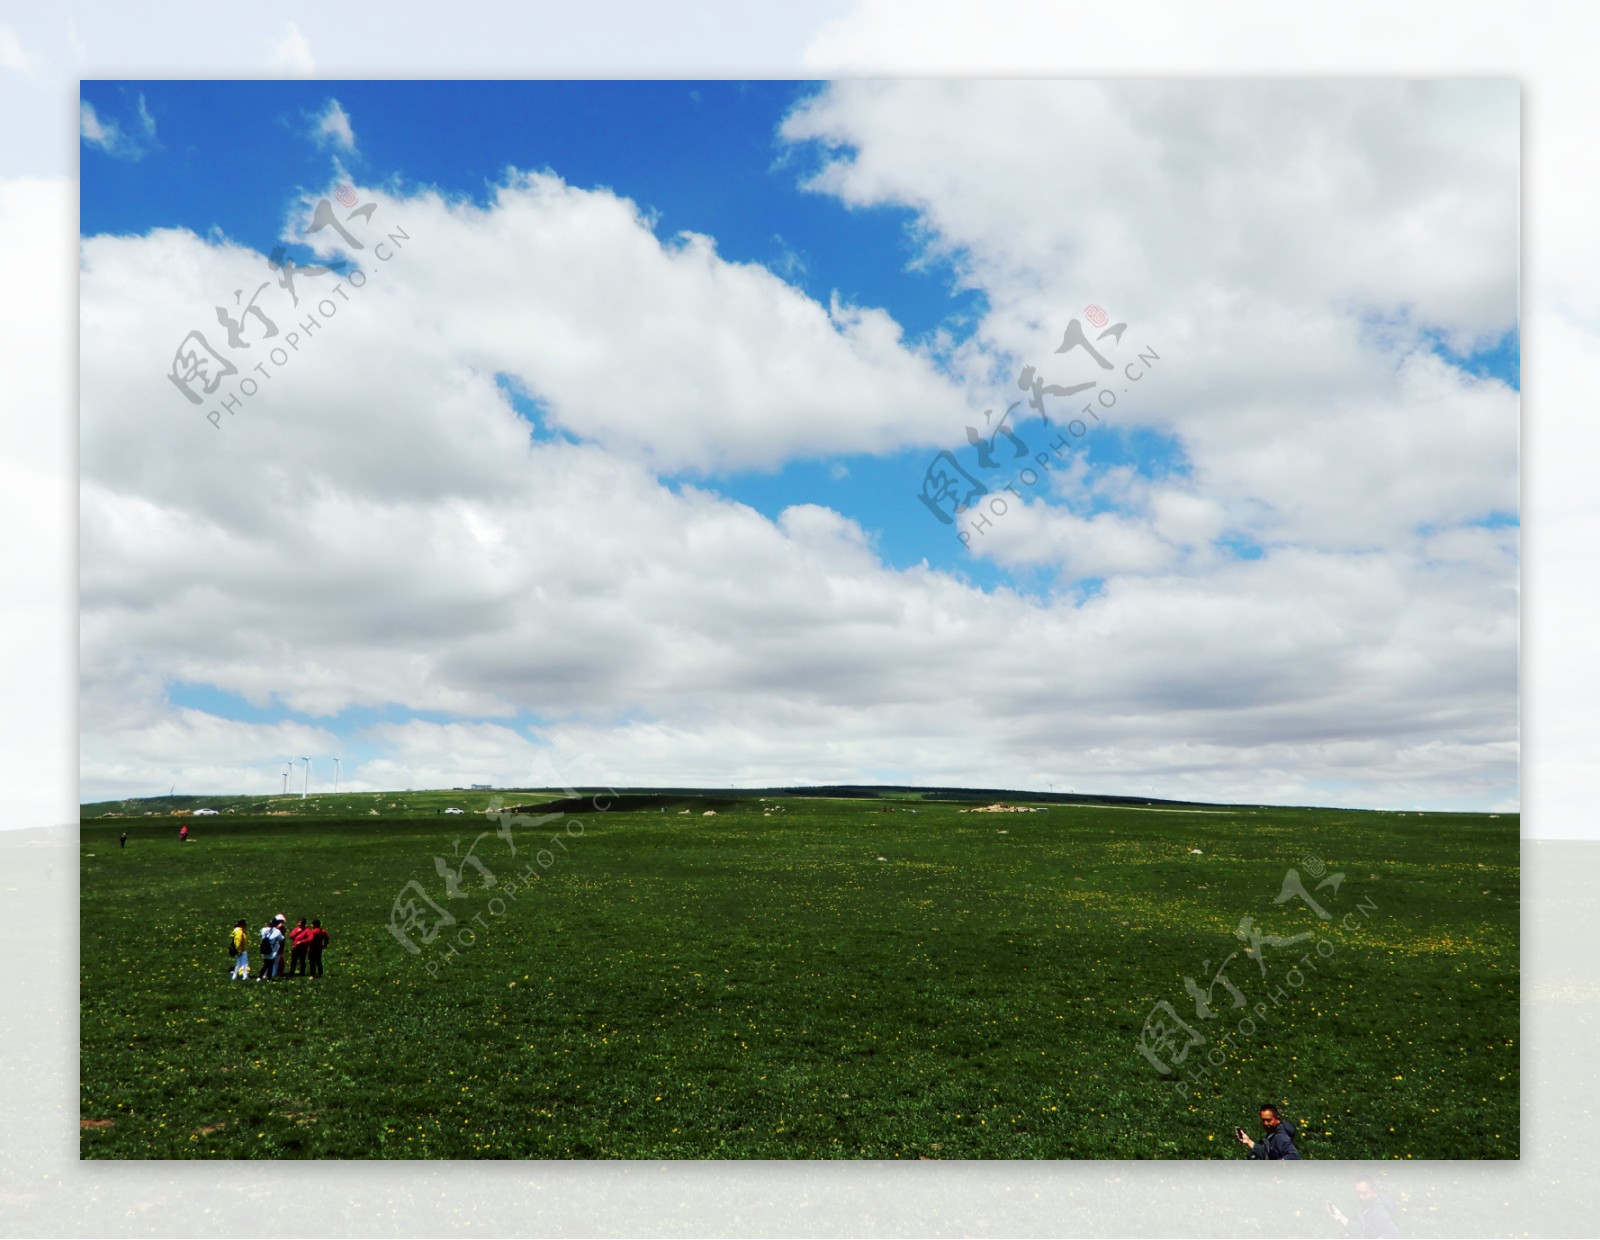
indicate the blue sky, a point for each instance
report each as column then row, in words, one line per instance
column 1215, row 476
column 703, row 157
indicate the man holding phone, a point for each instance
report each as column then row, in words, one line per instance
column 1279, row 1141
column 1374, row 1220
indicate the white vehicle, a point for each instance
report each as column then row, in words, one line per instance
column 454, row 810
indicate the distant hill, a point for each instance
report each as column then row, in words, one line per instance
column 590, row 800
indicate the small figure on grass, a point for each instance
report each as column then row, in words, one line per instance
column 271, row 951
column 1375, row 1219
column 183, row 834
column 238, row 948
column 280, row 926
column 122, row 840
column 1279, row 1141
column 299, row 941
column 318, row 940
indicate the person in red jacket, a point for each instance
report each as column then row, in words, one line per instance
column 317, row 941
column 299, row 941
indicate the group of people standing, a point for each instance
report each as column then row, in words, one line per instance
column 304, row 943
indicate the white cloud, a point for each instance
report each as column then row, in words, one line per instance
column 104, row 134
column 1304, row 193
column 332, row 128
column 291, row 54
column 15, row 57
column 107, row 135
column 1290, row 252
column 80, row 52
column 1015, row 532
column 666, row 351
column 190, row 751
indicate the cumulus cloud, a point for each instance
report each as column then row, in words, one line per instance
column 1294, row 253
column 462, row 492
column 13, row 56
column 291, row 54
column 92, row 130
column 191, row 751
column 105, row 134
column 663, row 350
column 331, row 128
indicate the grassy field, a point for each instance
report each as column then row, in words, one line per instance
column 844, row 978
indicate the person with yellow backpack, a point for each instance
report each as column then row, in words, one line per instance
column 237, row 944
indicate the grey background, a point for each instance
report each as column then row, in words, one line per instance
column 1552, row 1191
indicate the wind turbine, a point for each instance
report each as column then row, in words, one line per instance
column 336, row 762
column 288, row 766
column 306, row 786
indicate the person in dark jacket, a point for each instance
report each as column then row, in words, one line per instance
column 1279, row 1141
column 1376, row 1218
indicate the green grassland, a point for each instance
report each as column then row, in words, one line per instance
column 847, row 977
